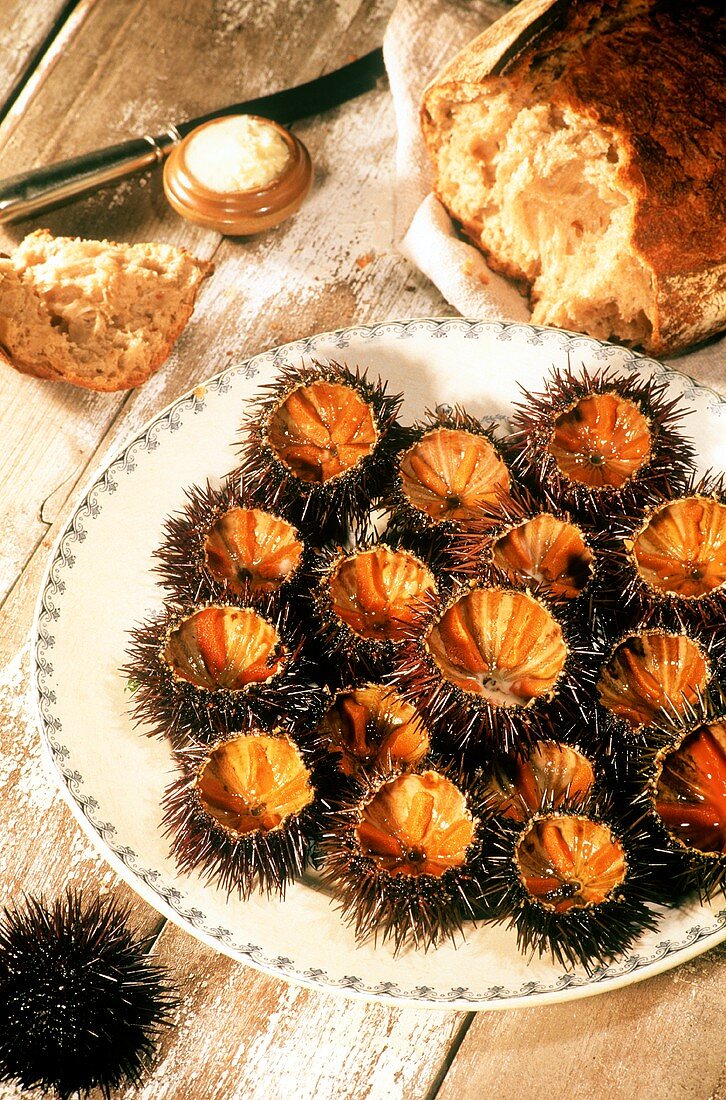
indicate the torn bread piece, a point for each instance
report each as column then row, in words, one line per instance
column 97, row 314
column 582, row 148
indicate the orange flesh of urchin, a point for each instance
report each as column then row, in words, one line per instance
column 224, row 647
column 416, row 825
column 566, row 861
column 374, row 724
column 602, row 441
column 651, row 671
column 449, row 474
column 682, row 548
column 547, row 550
column 376, row 592
column 550, row 774
column 253, row 783
column 499, row 644
column 322, row 430
column 691, row 790
column 249, row 547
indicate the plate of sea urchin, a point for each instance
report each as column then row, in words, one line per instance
column 391, row 661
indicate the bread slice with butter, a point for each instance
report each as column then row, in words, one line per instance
column 582, row 146
column 97, row 314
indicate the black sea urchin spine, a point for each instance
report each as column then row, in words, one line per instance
column 82, row 1004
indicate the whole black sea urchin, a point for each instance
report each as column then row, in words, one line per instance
column 81, row 1003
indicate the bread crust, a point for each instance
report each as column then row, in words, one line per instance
column 653, row 72
column 40, row 366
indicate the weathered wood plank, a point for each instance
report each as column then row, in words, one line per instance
column 243, row 1036
column 25, row 25
column 660, row 1039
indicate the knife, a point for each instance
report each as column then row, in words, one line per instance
column 41, row 189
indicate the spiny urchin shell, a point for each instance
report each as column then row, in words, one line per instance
column 82, row 1004
column 245, row 811
column 197, row 671
column 601, row 444
column 673, row 560
column 529, row 541
column 366, row 600
column 319, row 447
column 452, row 467
column 222, row 544
column 369, row 727
column 402, row 854
column 652, row 672
column 686, row 791
column 575, row 885
column 550, row 774
column 484, row 664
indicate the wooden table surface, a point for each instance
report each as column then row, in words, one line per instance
column 77, row 75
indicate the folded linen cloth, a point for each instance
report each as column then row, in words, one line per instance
column 421, row 36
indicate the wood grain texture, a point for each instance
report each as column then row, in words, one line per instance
column 654, row 1041
column 243, row 1036
column 24, row 28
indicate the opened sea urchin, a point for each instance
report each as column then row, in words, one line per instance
column 319, row 447
column 370, row 727
column 245, row 811
column 198, row 671
column 222, row 544
column 402, row 854
column 601, row 444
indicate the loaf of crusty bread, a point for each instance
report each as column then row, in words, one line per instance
column 581, row 146
column 93, row 313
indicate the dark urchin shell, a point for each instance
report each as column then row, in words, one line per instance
column 232, row 666
column 246, row 811
column 576, row 886
column 369, row 727
column 673, row 561
column 223, row 545
column 82, row 1004
column 685, row 790
column 322, row 483
column 654, row 670
column 485, row 666
column 601, row 444
column 402, row 855
column 532, row 542
column 452, row 466
column 366, row 600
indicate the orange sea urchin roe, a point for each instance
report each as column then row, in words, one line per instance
column 247, row 547
column 550, row 773
column 375, row 592
column 224, row 647
column 547, row 550
column 449, row 473
column 322, row 430
column 567, row 862
column 691, row 790
column 682, row 547
column 416, row 825
column 603, row 440
column 253, row 783
column 650, row 671
column 372, row 724
column 501, row 645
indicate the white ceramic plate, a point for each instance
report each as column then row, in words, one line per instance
column 99, row 584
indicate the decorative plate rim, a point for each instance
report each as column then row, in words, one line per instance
column 148, row 882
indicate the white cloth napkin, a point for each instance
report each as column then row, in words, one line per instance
column 421, row 36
